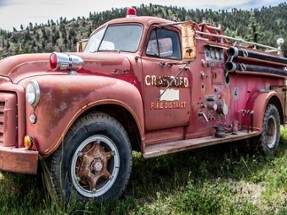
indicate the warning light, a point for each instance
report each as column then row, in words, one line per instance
column 61, row 61
column 28, row 142
column 131, row 12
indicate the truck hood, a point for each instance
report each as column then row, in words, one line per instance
column 27, row 65
column 21, row 66
column 106, row 63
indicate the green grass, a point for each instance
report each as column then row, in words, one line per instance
column 223, row 179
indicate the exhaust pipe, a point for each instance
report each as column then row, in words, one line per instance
column 235, row 52
column 232, row 67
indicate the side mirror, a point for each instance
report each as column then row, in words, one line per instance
column 81, row 45
column 188, row 41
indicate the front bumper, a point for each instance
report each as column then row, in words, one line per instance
column 18, row 160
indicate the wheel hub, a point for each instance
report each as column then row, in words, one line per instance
column 271, row 132
column 97, row 165
column 93, row 165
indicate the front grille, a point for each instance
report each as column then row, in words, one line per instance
column 8, row 119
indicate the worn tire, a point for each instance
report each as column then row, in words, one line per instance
column 269, row 139
column 94, row 162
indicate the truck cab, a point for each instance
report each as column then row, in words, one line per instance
column 138, row 83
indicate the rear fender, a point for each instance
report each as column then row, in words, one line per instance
column 260, row 104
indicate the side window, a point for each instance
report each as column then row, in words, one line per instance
column 164, row 43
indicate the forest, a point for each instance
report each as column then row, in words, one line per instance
column 264, row 25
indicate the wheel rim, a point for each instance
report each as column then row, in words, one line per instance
column 271, row 133
column 95, row 166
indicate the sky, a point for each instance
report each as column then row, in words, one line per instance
column 14, row 13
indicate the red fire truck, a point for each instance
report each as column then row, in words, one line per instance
column 138, row 83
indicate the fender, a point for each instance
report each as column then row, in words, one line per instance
column 65, row 97
column 260, row 103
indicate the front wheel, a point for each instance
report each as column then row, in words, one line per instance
column 269, row 139
column 94, row 161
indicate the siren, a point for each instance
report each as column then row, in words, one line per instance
column 60, row 61
column 131, row 12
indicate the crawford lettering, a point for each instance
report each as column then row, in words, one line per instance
column 164, row 81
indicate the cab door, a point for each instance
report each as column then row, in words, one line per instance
column 166, row 81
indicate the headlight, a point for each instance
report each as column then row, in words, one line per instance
column 33, row 93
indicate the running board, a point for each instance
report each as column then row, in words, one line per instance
column 183, row 145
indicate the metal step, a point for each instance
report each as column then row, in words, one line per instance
column 183, row 145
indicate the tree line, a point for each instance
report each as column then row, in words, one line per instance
column 263, row 25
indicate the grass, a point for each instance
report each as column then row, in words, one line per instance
column 223, row 179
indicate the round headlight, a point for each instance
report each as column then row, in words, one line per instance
column 33, row 93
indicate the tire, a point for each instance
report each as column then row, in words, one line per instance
column 94, row 162
column 269, row 139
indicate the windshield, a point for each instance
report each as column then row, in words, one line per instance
column 116, row 37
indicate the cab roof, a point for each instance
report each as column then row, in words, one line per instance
column 144, row 20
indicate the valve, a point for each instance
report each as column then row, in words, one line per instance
column 203, row 115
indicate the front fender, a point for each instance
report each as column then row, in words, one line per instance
column 260, row 105
column 65, row 97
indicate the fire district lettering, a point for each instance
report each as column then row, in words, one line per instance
column 164, row 81
column 167, row 105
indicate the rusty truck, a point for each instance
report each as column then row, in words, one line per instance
column 138, row 83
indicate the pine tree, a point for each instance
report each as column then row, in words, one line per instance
column 253, row 28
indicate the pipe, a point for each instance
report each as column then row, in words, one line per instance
column 235, row 52
column 232, row 67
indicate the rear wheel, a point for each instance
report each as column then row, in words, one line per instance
column 269, row 139
column 94, row 161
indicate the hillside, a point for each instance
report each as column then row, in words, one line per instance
column 264, row 25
